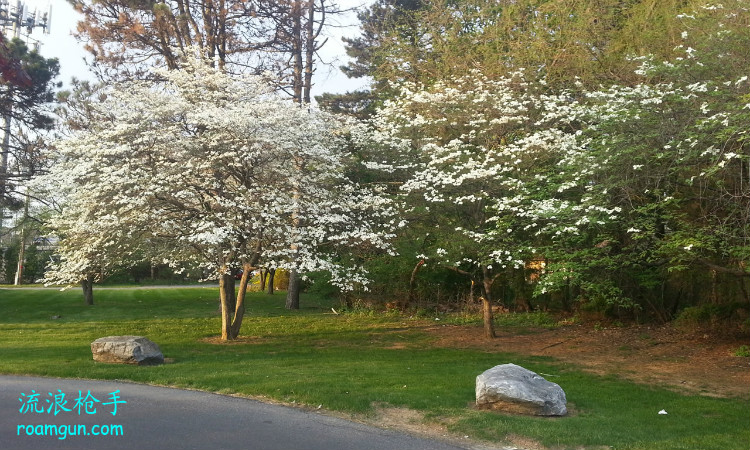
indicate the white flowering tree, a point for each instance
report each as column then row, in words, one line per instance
column 214, row 171
column 673, row 152
column 636, row 196
column 496, row 168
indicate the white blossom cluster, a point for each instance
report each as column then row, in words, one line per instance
column 503, row 162
column 209, row 170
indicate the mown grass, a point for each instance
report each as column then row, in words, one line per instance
column 346, row 363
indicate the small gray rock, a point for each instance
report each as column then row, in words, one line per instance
column 126, row 350
column 513, row 389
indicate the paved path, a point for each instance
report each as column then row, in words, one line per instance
column 163, row 418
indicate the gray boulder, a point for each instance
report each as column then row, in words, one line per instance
column 511, row 388
column 126, row 350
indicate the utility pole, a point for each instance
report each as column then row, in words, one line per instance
column 16, row 20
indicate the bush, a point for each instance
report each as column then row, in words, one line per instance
column 726, row 318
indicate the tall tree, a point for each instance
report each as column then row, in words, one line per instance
column 299, row 23
column 675, row 157
column 369, row 53
column 379, row 23
column 26, row 87
column 198, row 158
column 495, row 168
column 127, row 37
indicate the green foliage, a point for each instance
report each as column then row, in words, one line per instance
column 538, row 319
column 666, row 139
column 382, row 20
column 9, row 261
column 432, row 285
column 359, row 104
column 144, row 5
column 319, row 284
column 36, row 262
column 26, row 101
column 141, row 273
column 34, row 266
column 743, row 351
column 564, row 42
column 673, row 156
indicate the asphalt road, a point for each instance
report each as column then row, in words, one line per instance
column 163, row 418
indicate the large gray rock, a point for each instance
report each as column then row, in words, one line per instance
column 513, row 389
column 126, row 350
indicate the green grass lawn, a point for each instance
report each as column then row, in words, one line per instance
column 347, row 363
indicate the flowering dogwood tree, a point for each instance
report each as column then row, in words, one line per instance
column 497, row 167
column 210, row 170
column 673, row 151
column 636, row 196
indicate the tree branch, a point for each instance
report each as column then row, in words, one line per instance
column 722, row 269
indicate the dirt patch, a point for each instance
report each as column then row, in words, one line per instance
column 524, row 442
column 216, row 340
column 691, row 362
column 406, row 419
column 414, row 422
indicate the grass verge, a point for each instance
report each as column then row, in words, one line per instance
column 348, row 363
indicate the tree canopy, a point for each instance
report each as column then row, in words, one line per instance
column 26, row 88
column 209, row 169
column 505, row 178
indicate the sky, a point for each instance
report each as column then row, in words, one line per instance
column 61, row 44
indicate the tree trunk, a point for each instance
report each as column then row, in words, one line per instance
column 487, row 316
column 714, row 287
column 489, row 323
column 239, row 311
column 292, row 292
column 521, row 299
column 88, row 289
column 271, row 274
column 229, row 291
column 309, row 51
column 225, row 282
column 263, row 277
column 297, row 69
column 5, row 151
column 222, row 44
column 233, row 305
column 567, row 298
column 413, row 282
column 21, row 259
column 22, row 249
